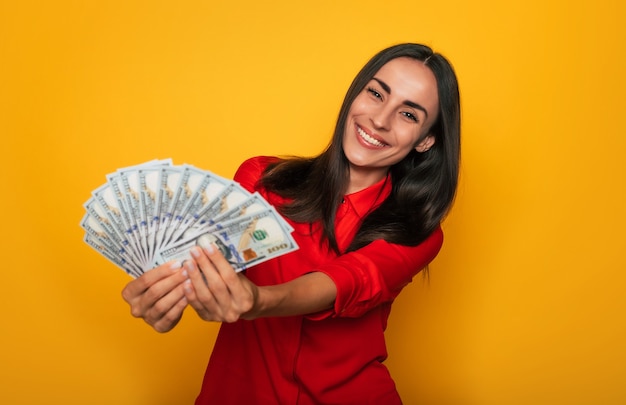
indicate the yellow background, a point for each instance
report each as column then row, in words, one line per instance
column 525, row 303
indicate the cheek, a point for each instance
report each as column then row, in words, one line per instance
column 357, row 106
column 354, row 110
column 409, row 136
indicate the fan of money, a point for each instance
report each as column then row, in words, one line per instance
column 155, row 212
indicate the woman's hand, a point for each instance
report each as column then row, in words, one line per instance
column 215, row 290
column 158, row 296
column 218, row 293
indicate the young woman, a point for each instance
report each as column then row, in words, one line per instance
column 308, row 327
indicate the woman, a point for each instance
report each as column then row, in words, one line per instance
column 308, row 327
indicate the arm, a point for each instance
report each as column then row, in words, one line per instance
column 307, row 294
column 376, row 273
column 348, row 286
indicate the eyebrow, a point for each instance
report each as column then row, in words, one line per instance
column 408, row 103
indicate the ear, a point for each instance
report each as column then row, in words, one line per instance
column 425, row 144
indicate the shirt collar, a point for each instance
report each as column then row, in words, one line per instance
column 365, row 201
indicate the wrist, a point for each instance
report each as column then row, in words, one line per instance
column 268, row 299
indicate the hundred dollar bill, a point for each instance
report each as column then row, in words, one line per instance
column 108, row 203
column 169, row 184
column 204, row 188
column 231, row 196
column 131, row 194
column 150, row 191
column 182, row 193
column 193, row 185
column 130, row 183
column 254, row 203
column 108, row 246
column 122, row 198
column 244, row 242
column 117, row 198
column 104, row 251
column 145, row 210
column 135, row 203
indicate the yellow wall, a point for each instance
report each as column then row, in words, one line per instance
column 525, row 302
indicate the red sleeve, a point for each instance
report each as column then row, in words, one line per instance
column 376, row 273
column 250, row 171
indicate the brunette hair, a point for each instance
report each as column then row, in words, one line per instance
column 423, row 184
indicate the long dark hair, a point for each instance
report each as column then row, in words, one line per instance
column 423, row 184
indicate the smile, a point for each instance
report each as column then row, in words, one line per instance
column 370, row 140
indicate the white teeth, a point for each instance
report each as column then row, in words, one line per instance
column 368, row 138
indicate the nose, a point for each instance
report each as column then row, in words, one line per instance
column 381, row 118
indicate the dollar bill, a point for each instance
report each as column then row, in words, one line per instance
column 99, row 230
column 149, row 195
column 151, row 211
column 170, row 180
column 100, row 247
column 244, row 242
column 206, row 188
column 116, row 214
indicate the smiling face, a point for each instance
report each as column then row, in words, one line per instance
column 390, row 117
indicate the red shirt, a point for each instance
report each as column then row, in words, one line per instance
column 331, row 357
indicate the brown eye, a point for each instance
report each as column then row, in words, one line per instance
column 374, row 92
column 410, row 116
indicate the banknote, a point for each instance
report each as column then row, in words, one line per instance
column 198, row 189
column 149, row 195
column 97, row 237
column 155, row 211
column 244, row 241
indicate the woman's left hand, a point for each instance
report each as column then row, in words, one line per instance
column 215, row 290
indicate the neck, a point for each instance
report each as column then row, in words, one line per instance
column 363, row 178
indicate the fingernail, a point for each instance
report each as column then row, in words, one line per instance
column 205, row 242
column 195, row 252
column 176, row 265
column 184, row 273
column 189, row 266
column 187, row 286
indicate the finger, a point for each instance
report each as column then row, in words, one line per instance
column 139, row 285
column 199, row 295
column 241, row 296
column 224, row 268
column 144, row 305
column 214, row 282
column 161, row 307
column 171, row 317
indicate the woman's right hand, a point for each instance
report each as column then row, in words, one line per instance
column 158, row 296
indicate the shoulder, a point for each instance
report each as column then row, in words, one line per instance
column 251, row 170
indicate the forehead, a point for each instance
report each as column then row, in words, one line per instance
column 409, row 79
